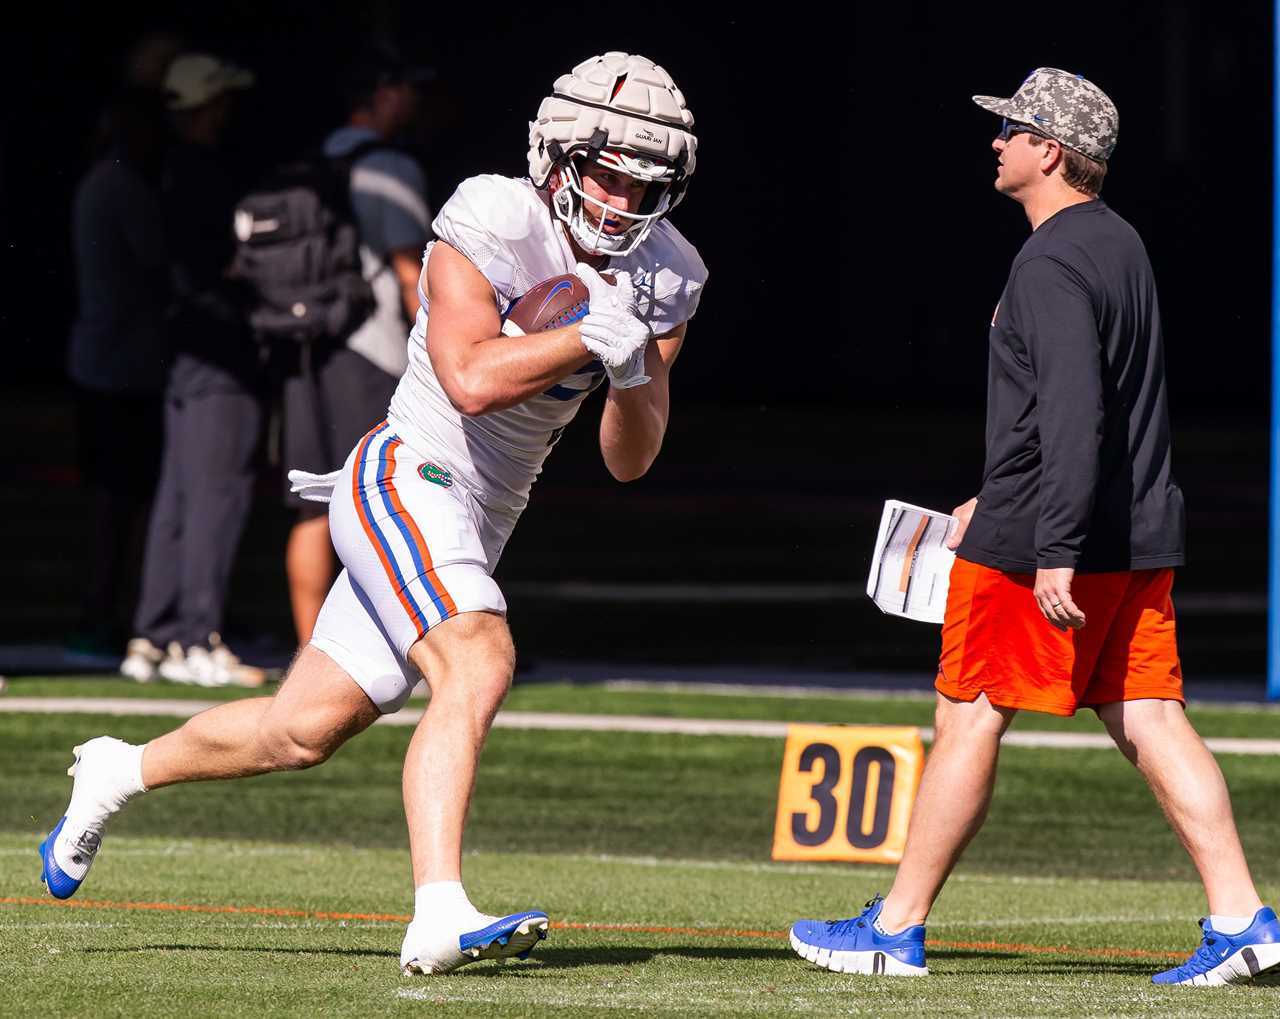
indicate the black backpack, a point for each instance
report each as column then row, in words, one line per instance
column 298, row 252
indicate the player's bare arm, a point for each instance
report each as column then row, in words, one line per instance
column 480, row 369
column 635, row 420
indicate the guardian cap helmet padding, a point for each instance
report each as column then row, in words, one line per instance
column 623, row 112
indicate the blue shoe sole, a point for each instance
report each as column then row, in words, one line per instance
column 59, row 884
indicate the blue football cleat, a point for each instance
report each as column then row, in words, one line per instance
column 855, row 946
column 432, row 947
column 1252, row 955
column 514, row 935
column 64, row 882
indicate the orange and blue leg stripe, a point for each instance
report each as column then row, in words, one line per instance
column 394, row 535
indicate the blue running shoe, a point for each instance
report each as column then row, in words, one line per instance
column 1252, row 955
column 855, row 946
column 432, row 947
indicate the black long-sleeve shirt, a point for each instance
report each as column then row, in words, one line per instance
column 208, row 319
column 1078, row 469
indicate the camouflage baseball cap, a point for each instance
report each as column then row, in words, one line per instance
column 1067, row 107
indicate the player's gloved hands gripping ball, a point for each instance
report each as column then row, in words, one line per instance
column 611, row 330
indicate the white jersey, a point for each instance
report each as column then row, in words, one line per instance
column 507, row 231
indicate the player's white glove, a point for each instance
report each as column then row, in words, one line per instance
column 630, row 374
column 611, row 330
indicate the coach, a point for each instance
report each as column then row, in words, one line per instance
column 1060, row 594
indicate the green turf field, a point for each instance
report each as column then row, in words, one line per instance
column 650, row 852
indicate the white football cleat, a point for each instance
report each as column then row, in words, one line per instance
column 441, row 948
column 107, row 773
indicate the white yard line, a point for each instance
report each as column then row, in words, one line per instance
column 105, row 706
column 557, row 721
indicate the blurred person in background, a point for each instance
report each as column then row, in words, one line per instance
column 118, row 347
column 213, row 403
column 350, row 386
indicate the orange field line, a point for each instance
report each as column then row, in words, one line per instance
column 178, row 907
column 694, row 932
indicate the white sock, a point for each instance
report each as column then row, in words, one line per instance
column 113, row 776
column 1230, row 925
column 445, row 899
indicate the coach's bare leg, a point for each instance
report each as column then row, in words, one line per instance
column 310, row 565
column 318, row 708
column 468, row 661
column 1157, row 738
column 950, row 806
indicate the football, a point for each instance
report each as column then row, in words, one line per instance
column 552, row 304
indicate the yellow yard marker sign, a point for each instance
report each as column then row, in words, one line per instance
column 846, row 792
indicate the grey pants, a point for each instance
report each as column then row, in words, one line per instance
column 201, row 504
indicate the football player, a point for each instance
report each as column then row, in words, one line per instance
column 426, row 501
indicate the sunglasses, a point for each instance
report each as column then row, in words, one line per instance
column 1008, row 128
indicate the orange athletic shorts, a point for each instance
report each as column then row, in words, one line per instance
column 996, row 641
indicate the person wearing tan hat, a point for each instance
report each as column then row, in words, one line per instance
column 194, row 79
column 1060, row 597
column 213, row 406
column 199, row 89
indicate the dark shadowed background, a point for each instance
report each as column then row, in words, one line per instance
column 843, row 203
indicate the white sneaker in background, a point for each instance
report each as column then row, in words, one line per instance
column 229, row 663
column 174, row 666
column 141, row 660
column 205, row 669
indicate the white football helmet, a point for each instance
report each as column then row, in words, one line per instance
column 624, row 112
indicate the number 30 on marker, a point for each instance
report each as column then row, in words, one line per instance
column 846, row 792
